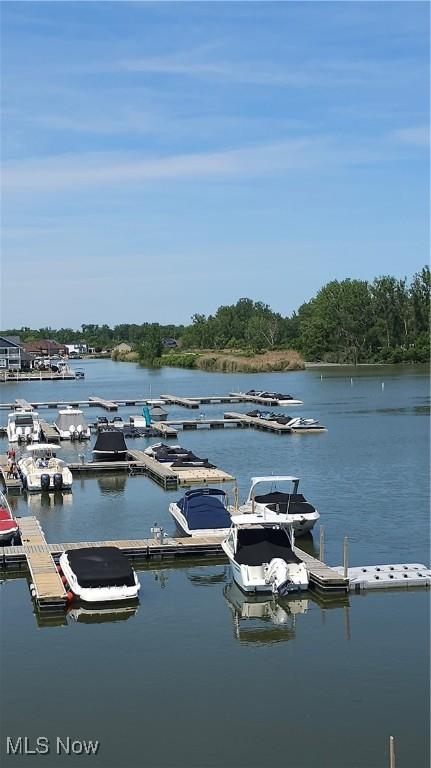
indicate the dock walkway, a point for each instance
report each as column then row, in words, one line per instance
column 171, row 479
column 257, row 423
column 50, row 434
column 9, row 483
column 323, row 578
column 47, row 587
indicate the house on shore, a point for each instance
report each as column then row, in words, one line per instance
column 45, row 348
column 13, row 356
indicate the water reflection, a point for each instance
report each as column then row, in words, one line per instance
column 263, row 619
column 100, row 615
column 204, row 578
column 112, row 484
column 52, row 501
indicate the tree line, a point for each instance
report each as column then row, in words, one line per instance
column 348, row 321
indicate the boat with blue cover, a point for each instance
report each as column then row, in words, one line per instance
column 202, row 512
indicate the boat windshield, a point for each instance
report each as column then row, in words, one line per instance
column 260, row 545
column 24, row 419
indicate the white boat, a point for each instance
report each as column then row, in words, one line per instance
column 299, row 512
column 41, row 470
column 8, row 525
column 23, row 426
column 202, row 512
column 260, row 548
column 279, row 396
column 99, row 574
column 71, row 425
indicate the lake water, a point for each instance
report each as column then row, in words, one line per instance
column 198, row 676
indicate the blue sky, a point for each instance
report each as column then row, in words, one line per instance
column 161, row 159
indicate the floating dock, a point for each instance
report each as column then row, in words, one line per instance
column 403, row 575
column 100, row 402
column 46, row 585
column 50, row 434
column 241, row 397
column 171, row 479
column 9, row 483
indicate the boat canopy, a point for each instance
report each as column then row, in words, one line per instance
column 70, row 418
column 260, row 545
column 101, row 567
column 110, row 441
column 202, row 509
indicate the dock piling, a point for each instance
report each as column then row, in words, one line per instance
column 322, row 543
column 391, row 752
column 346, row 557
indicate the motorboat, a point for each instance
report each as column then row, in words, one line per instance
column 158, row 413
column 283, row 399
column 260, row 548
column 295, row 423
column 8, row 525
column 41, row 470
column 110, row 445
column 71, row 424
column 23, row 426
column 177, row 457
column 299, row 512
column 263, row 619
column 202, row 512
column 99, row 574
column 79, row 373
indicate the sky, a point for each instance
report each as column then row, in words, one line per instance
column 161, row 159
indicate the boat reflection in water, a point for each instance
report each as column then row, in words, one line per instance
column 101, row 615
column 112, row 484
column 263, row 619
column 37, row 501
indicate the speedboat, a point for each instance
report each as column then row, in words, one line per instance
column 266, row 395
column 23, row 426
column 110, row 445
column 202, row 512
column 41, row 470
column 299, row 512
column 71, row 425
column 260, row 548
column 99, row 574
column 8, row 525
column 158, row 413
column 176, row 457
column 295, row 423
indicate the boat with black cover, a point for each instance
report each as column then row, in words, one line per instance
column 299, row 512
column 202, row 512
column 110, row 445
column 260, row 548
column 99, row 574
column 8, row 525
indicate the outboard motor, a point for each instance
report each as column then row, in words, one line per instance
column 45, row 482
column 58, row 481
column 27, row 433
column 79, row 431
column 286, row 577
column 72, row 432
column 19, row 434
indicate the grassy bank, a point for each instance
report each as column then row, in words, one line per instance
column 236, row 362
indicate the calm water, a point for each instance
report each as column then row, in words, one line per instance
column 197, row 676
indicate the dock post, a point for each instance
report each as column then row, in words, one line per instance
column 346, row 557
column 391, row 752
column 322, row 544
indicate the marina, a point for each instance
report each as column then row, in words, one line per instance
column 352, row 617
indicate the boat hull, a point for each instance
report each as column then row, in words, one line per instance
column 98, row 594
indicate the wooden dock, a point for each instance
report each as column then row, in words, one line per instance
column 269, row 401
column 9, row 483
column 108, row 405
column 185, row 402
column 204, row 423
column 164, row 428
column 50, row 435
column 47, row 587
column 23, row 404
column 257, row 423
column 322, row 577
column 171, row 479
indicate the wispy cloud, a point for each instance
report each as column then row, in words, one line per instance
column 417, row 136
column 117, row 169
